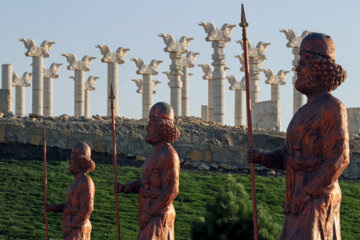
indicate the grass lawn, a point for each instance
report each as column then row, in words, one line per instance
column 21, row 200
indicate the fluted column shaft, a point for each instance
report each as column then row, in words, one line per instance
column 48, row 96
column 7, row 81
column 210, row 112
column 113, row 79
column 79, row 93
column 20, row 101
column 87, row 103
column 175, row 82
column 204, row 112
column 147, row 95
column 37, row 85
column 239, row 107
column 218, row 82
column 254, row 77
column 185, row 92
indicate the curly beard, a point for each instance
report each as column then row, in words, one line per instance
column 163, row 132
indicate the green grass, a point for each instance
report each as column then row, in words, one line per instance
column 22, row 214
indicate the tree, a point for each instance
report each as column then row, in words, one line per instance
column 229, row 216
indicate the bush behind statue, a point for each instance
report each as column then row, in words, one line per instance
column 229, row 216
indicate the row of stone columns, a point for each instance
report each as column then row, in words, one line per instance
column 79, row 67
column 175, row 49
column 146, row 85
column 38, row 53
column 112, row 59
column 239, row 106
column 218, row 38
column 20, row 83
column 10, row 79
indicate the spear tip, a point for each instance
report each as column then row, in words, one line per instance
column 243, row 23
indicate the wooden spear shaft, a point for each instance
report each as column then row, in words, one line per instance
column 112, row 97
column 244, row 24
column 45, row 184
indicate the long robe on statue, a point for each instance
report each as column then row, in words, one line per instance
column 315, row 154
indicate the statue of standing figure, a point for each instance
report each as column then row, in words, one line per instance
column 316, row 150
column 79, row 203
column 159, row 184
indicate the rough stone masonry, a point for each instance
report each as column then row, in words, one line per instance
column 204, row 145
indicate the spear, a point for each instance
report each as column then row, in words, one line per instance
column 244, row 24
column 112, row 97
column 45, row 183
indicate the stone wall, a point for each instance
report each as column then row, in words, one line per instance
column 202, row 144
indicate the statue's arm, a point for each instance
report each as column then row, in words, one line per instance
column 274, row 159
column 132, row 187
column 335, row 150
column 56, row 207
column 170, row 181
column 86, row 200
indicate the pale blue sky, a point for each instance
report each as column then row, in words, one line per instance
column 77, row 26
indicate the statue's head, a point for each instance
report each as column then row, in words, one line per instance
column 80, row 160
column 161, row 126
column 317, row 69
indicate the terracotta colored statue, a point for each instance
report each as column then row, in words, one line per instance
column 159, row 184
column 80, row 196
column 316, row 150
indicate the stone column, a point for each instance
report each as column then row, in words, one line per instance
column 239, row 88
column 20, row 83
column 113, row 59
column 188, row 62
column 175, row 50
column 146, row 85
column 204, row 112
column 208, row 73
column 89, row 86
column 294, row 42
column 79, row 67
column 37, row 53
column 49, row 75
column 218, row 38
column 6, row 82
column 256, row 58
column 276, row 81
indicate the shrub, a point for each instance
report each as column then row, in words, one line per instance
column 229, row 216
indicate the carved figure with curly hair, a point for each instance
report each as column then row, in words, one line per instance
column 159, row 184
column 316, row 149
column 79, row 203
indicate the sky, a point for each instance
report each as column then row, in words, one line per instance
column 77, row 26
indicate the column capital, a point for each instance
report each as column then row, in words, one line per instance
column 21, row 81
column 53, row 71
column 217, row 35
column 273, row 79
column 235, row 84
column 188, row 60
column 208, row 71
column 294, row 41
column 112, row 57
column 144, row 69
column 139, row 84
column 90, row 83
column 173, row 46
column 74, row 64
column 255, row 52
column 37, row 51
